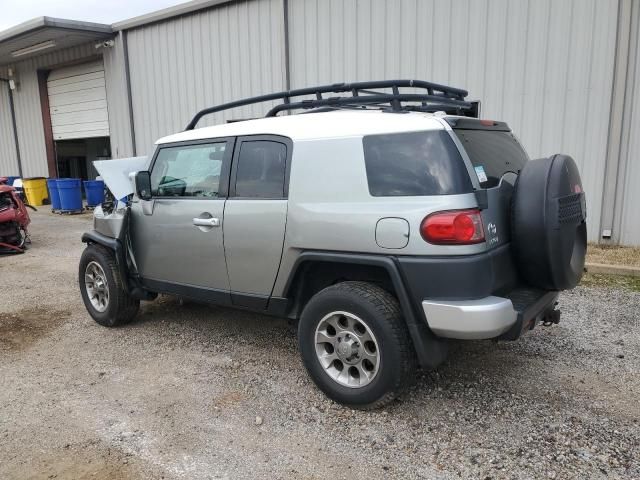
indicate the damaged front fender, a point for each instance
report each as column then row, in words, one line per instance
column 110, row 224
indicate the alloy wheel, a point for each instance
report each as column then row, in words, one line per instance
column 95, row 282
column 347, row 349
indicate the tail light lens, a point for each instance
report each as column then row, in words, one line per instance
column 456, row 227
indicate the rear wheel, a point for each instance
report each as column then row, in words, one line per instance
column 355, row 345
column 102, row 289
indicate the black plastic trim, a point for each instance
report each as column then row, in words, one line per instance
column 130, row 284
column 208, row 295
column 251, row 301
column 482, row 199
column 430, row 350
column 274, row 306
column 114, row 245
column 460, row 277
column 468, row 123
column 530, row 313
column 278, row 306
column 94, row 236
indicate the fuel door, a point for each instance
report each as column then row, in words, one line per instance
column 392, row 233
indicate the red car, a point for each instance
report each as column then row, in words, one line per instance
column 14, row 220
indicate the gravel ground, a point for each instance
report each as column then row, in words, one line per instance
column 178, row 393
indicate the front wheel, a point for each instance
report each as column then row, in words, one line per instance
column 355, row 344
column 102, row 290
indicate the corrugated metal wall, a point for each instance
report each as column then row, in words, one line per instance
column 28, row 109
column 627, row 230
column 117, row 101
column 8, row 158
column 29, row 123
column 186, row 64
column 544, row 66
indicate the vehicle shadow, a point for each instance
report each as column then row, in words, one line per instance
column 483, row 366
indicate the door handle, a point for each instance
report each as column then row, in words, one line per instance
column 206, row 222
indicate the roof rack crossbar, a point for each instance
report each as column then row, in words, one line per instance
column 360, row 93
column 369, row 100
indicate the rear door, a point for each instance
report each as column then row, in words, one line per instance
column 255, row 217
column 497, row 157
column 177, row 235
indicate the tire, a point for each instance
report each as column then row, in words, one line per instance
column 380, row 319
column 548, row 221
column 22, row 235
column 119, row 308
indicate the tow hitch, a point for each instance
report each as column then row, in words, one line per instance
column 551, row 317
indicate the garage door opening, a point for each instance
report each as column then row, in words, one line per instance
column 74, row 158
column 79, row 118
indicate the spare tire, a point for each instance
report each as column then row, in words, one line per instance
column 548, row 221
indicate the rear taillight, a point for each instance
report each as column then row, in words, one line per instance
column 456, row 227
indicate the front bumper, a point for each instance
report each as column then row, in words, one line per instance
column 489, row 317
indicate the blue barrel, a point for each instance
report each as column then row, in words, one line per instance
column 94, row 190
column 70, row 191
column 10, row 180
column 54, row 194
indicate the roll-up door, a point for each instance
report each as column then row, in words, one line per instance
column 78, row 101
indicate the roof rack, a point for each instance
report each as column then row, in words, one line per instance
column 359, row 95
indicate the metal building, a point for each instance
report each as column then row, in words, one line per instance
column 564, row 74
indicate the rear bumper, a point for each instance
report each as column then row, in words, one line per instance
column 489, row 317
column 474, row 296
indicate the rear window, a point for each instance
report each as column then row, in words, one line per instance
column 492, row 153
column 415, row 163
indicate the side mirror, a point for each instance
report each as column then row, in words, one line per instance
column 143, row 185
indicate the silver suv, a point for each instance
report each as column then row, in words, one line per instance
column 386, row 223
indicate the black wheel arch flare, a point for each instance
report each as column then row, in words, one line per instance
column 430, row 350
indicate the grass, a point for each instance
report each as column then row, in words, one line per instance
column 611, row 281
column 613, row 255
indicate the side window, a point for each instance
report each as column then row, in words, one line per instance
column 188, row 171
column 261, row 169
column 414, row 164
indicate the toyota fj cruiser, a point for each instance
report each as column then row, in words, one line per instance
column 385, row 222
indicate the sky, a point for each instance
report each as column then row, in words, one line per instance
column 98, row 11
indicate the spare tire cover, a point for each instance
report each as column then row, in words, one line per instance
column 548, row 221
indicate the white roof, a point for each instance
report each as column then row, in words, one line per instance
column 308, row 126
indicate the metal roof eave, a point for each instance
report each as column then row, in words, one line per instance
column 168, row 13
column 58, row 23
column 39, row 27
column 60, row 33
